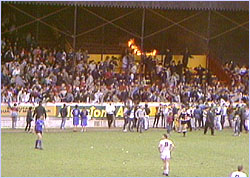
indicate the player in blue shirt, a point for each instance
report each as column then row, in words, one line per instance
column 39, row 125
column 76, row 114
column 84, row 119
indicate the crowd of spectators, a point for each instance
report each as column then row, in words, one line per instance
column 239, row 76
column 32, row 73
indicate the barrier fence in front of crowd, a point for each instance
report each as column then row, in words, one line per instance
column 97, row 113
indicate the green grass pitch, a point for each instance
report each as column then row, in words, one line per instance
column 112, row 153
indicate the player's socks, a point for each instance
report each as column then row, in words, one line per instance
column 36, row 144
column 41, row 145
column 165, row 173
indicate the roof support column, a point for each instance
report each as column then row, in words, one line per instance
column 142, row 29
column 208, row 37
column 142, row 41
column 37, row 23
column 75, row 26
column 208, row 45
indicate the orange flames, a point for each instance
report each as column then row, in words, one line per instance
column 153, row 53
column 137, row 51
column 130, row 42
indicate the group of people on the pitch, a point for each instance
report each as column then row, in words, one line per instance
column 77, row 115
column 209, row 115
column 40, row 116
column 136, row 117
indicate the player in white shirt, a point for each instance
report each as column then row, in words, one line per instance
column 239, row 173
column 165, row 147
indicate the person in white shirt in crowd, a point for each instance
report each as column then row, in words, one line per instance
column 110, row 110
column 165, row 115
column 190, row 113
column 223, row 114
column 218, row 117
column 146, row 118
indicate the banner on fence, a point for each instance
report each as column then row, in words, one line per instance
column 96, row 111
column 22, row 110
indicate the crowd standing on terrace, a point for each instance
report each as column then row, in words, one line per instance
column 33, row 73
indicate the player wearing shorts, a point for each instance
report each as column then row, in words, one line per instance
column 239, row 173
column 76, row 114
column 39, row 131
column 84, row 119
column 165, row 147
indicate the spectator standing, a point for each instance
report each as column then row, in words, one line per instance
column 218, row 117
column 140, row 113
column 159, row 114
column 186, row 56
column 147, row 110
column 170, row 120
column 244, row 113
column 29, row 119
column 126, row 118
column 14, row 114
column 168, row 58
column 223, row 114
column 39, row 112
column 237, row 121
column 230, row 114
column 64, row 113
column 110, row 110
column 131, row 121
column 209, row 121
column 247, row 117
column 198, row 117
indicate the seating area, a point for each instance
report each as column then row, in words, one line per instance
column 34, row 73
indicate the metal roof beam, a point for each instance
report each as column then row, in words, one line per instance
column 236, row 23
column 104, row 24
column 176, row 24
column 231, row 29
column 37, row 19
column 108, row 21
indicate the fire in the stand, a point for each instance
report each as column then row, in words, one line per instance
column 136, row 50
column 153, row 53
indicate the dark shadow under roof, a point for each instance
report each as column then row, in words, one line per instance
column 182, row 5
